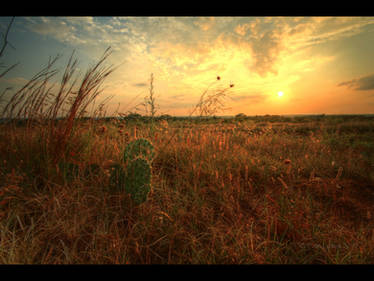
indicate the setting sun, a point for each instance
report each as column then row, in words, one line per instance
column 280, row 94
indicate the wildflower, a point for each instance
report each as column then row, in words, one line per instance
column 102, row 130
column 287, row 161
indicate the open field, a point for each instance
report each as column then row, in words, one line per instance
column 79, row 187
column 241, row 190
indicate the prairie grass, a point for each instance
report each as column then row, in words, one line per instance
column 222, row 193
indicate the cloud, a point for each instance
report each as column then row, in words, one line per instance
column 241, row 29
column 92, row 34
column 265, row 37
column 271, row 38
column 178, row 97
column 313, row 31
column 254, row 98
column 360, row 84
column 266, row 49
column 140, row 85
column 55, row 27
column 205, row 23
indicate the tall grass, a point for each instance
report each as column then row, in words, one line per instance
column 38, row 103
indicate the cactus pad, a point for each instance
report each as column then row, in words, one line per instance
column 133, row 175
column 139, row 148
column 138, row 179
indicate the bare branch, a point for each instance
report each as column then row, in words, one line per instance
column 5, row 43
column 6, row 38
column 7, row 70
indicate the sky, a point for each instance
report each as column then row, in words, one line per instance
column 322, row 65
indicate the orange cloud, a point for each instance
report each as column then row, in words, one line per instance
column 205, row 23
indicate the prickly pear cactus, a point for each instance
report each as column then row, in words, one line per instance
column 139, row 148
column 138, row 179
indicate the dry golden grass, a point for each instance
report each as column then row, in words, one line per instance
column 219, row 195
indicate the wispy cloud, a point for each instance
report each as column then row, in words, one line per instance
column 57, row 28
column 269, row 38
column 360, row 84
column 253, row 98
column 178, row 97
column 140, row 85
column 205, row 23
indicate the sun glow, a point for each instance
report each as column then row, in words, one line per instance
column 280, row 94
